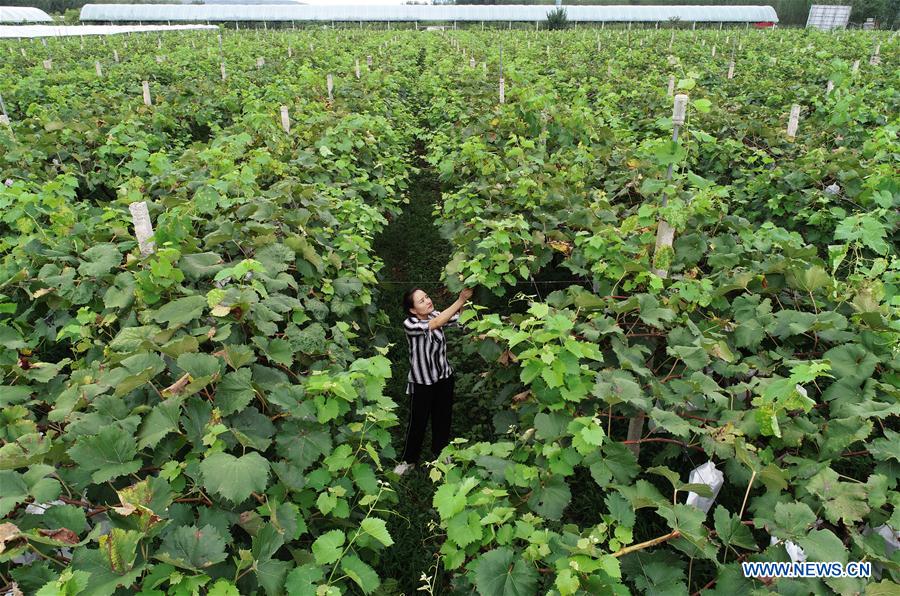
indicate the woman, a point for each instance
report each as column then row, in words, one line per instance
column 430, row 381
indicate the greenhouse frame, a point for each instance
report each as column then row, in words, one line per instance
column 416, row 13
column 22, row 14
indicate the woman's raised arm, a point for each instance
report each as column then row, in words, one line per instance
column 445, row 316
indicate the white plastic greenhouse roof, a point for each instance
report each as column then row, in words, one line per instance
column 25, row 31
column 22, row 14
column 407, row 13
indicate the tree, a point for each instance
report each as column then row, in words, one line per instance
column 557, row 19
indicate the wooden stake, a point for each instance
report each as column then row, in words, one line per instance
column 285, row 120
column 330, row 83
column 665, row 233
column 98, row 69
column 143, row 229
column 146, row 86
column 793, row 122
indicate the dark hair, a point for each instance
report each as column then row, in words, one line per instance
column 408, row 300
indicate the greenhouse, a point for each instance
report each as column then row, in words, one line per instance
column 21, row 14
column 411, row 13
column 30, row 31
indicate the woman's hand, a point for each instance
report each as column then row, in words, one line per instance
column 465, row 294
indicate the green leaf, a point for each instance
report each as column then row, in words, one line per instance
column 642, row 494
column 99, row 259
column 69, row 582
column 852, row 362
column 620, row 509
column 11, row 395
column 694, row 357
column 279, row 351
column 651, row 313
column 234, row 392
column 181, row 311
column 120, row 548
column 842, row 500
column 566, row 582
column 686, row 519
column 270, row 573
column 464, row 528
column 15, row 490
column 377, row 528
column 10, row 338
column 886, row 448
column 65, row 516
column 179, row 346
column 364, row 576
column 161, row 420
column 702, row 105
column 551, row 498
column 235, row 477
column 200, row 366
column 551, row 426
column 328, row 547
column 302, row 580
column 448, row 501
column 200, row 265
column 792, row 520
column 108, row 454
column 501, row 573
column 731, row 531
column 823, row 545
column 671, row 422
column 791, row 322
column 223, row 587
column 102, row 581
column 192, row 548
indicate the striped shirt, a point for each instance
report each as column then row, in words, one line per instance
column 427, row 350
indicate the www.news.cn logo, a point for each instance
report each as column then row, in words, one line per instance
column 810, row 569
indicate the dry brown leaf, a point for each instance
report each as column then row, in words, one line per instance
column 61, row 534
column 8, row 533
column 178, row 386
column 520, row 397
column 125, row 510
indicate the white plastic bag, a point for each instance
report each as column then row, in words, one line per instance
column 709, row 475
column 797, row 554
column 892, row 543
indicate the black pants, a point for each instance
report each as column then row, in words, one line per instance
column 429, row 401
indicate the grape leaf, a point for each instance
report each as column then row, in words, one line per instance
column 328, row 547
column 501, row 573
column 107, row 455
column 235, row 477
column 192, row 548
